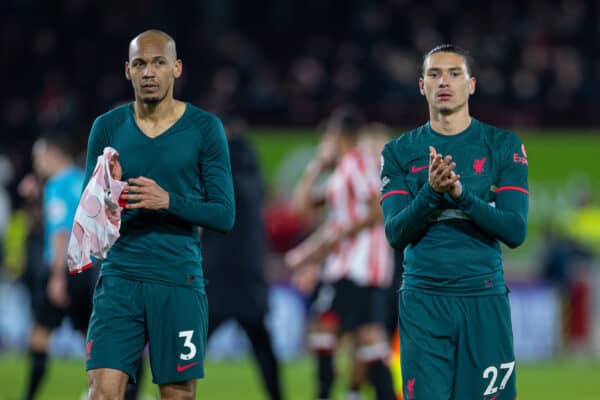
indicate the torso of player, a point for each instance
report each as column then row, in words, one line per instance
column 154, row 243
column 454, row 255
column 471, row 150
column 171, row 158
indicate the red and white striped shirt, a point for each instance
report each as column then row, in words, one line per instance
column 365, row 258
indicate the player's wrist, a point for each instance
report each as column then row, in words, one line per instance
column 167, row 201
column 431, row 191
column 463, row 199
column 430, row 196
column 456, row 190
column 436, row 187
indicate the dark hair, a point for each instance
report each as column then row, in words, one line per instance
column 347, row 119
column 450, row 48
column 60, row 141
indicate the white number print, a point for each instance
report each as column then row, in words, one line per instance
column 491, row 389
column 492, row 371
column 509, row 367
column 188, row 345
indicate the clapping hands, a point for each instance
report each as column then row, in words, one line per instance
column 442, row 177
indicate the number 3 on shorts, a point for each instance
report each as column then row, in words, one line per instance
column 492, row 372
column 188, row 345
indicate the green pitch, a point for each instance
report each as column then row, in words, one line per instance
column 556, row 380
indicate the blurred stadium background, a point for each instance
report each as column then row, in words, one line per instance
column 284, row 65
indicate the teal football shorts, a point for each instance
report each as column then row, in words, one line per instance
column 456, row 347
column 127, row 314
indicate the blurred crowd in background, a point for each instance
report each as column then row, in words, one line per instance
column 284, row 62
column 288, row 64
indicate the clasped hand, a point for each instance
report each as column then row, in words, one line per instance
column 442, row 177
column 146, row 193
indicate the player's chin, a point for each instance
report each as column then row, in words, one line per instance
column 151, row 99
column 447, row 108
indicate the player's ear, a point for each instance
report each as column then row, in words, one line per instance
column 472, row 84
column 127, row 73
column 178, row 69
column 422, row 86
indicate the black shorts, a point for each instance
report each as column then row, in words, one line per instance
column 80, row 289
column 351, row 304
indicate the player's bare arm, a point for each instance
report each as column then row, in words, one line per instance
column 146, row 193
column 57, row 284
column 321, row 243
column 305, row 199
column 309, row 252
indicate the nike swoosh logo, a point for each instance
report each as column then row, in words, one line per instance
column 416, row 169
column 181, row 368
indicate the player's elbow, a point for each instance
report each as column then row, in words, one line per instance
column 518, row 235
column 227, row 221
column 222, row 218
column 230, row 221
column 393, row 236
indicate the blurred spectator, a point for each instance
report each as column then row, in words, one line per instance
column 280, row 69
column 560, row 257
column 30, row 190
column 569, row 259
column 584, row 222
column 372, row 138
column 356, row 259
column 234, row 263
column 57, row 296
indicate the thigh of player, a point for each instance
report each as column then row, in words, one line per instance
column 177, row 321
column 485, row 360
column 355, row 305
column 116, row 335
column 428, row 331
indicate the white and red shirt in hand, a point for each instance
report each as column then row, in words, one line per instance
column 98, row 216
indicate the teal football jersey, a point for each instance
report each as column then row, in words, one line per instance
column 452, row 245
column 190, row 161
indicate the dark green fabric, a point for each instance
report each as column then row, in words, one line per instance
column 456, row 347
column 127, row 313
column 453, row 246
column 190, row 161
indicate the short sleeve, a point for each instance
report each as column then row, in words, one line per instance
column 56, row 209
